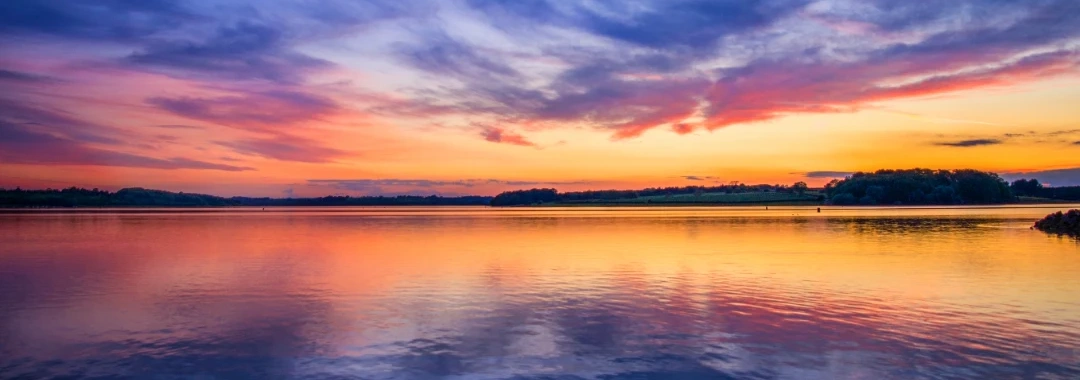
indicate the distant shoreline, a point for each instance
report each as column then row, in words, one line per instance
column 628, row 207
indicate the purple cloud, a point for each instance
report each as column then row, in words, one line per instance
column 22, row 145
column 501, row 135
column 259, row 111
column 285, row 148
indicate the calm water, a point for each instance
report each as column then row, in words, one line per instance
column 472, row 293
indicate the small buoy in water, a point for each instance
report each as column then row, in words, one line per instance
column 766, row 207
column 819, row 209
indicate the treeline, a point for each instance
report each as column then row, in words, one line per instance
column 525, row 197
column 400, row 200
column 920, row 187
column 78, row 197
column 1032, row 188
column 539, row 196
column 139, row 197
column 608, row 195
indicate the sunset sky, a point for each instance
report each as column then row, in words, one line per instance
column 309, row 98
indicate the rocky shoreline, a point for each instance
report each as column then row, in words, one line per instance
column 1062, row 223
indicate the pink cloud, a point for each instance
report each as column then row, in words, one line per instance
column 501, row 135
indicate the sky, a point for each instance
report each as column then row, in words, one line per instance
column 451, row 97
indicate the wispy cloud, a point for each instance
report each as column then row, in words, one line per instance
column 260, row 111
column 826, row 174
column 17, row 76
column 430, row 186
column 969, row 143
column 700, row 178
column 500, row 135
column 285, row 148
column 178, row 126
column 22, row 145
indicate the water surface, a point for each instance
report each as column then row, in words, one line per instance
column 477, row 293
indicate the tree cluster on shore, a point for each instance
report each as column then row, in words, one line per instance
column 1062, row 223
column 920, row 187
column 139, row 197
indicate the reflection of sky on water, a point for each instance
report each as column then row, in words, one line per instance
column 460, row 297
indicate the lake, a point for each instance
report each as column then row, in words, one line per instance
column 542, row 293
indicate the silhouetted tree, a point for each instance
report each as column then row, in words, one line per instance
column 800, row 187
column 525, row 197
column 920, row 186
column 1026, row 187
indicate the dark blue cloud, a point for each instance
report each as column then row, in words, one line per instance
column 694, row 24
column 18, row 76
column 444, row 55
column 108, row 20
column 233, row 41
column 969, row 143
column 1058, row 177
column 241, row 52
column 665, row 25
column 1039, row 23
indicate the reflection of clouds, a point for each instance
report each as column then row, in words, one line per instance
column 404, row 297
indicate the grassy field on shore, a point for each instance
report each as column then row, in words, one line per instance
column 727, row 199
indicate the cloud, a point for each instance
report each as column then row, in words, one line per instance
column 969, row 143
column 239, row 41
column 500, row 135
column 58, row 122
column 646, row 65
column 700, row 178
column 119, row 21
column 1056, row 177
column 178, row 126
column 18, row 76
column 285, row 148
column 675, row 25
column 429, row 186
column 623, row 68
column 827, row 174
column 260, row 111
column 245, row 51
column 441, row 54
column 22, row 145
